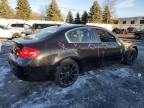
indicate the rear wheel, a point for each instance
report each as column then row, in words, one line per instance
column 66, row 73
column 130, row 56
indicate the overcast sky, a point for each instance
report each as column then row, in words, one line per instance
column 124, row 8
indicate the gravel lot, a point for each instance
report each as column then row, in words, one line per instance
column 113, row 86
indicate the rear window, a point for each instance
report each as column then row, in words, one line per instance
column 47, row 32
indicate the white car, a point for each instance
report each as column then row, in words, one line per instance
column 7, row 33
column 19, row 26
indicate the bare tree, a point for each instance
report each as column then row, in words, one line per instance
column 112, row 6
column 43, row 11
column 36, row 16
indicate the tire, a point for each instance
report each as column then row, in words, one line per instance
column 16, row 35
column 67, row 72
column 140, row 36
column 137, row 37
column 130, row 56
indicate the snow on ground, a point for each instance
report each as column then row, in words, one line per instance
column 113, row 86
column 4, row 67
column 0, row 46
column 4, row 71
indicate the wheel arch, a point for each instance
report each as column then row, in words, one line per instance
column 127, row 52
column 130, row 47
column 135, row 47
column 15, row 34
column 75, row 58
column 68, row 57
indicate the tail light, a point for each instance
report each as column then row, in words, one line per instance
column 28, row 53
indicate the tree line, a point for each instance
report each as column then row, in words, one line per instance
column 23, row 11
column 96, row 15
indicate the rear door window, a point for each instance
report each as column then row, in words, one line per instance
column 20, row 25
column 81, row 35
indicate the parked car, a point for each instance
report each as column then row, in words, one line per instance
column 36, row 27
column 118, row 31
column 61, row 53
column 139, row 34
column 8, row 33
column 19, row 26
column 131, row 29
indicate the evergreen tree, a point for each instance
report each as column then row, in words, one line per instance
column 84, row 18
column 23, row 10
column 69, row 18
column 77, row 19
column 95, row 13
column 5, row 10
column 53, row 13
column 107, row 15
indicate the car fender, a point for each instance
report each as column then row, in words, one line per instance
column 129, row 48
column 66, row 54
column 132, row 46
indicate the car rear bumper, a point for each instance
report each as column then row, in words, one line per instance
column 31, row 73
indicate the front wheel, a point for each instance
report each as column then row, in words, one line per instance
column 130, row 56
column 16, row 35
column 137, row 37
column 66, row 73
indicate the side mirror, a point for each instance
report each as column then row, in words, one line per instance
column 28, row 31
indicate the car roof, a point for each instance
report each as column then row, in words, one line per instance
column 71, row 26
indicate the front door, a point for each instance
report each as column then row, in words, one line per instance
column 112, row 49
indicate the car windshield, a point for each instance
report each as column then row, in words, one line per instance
column 4, row 27
column 46, row 32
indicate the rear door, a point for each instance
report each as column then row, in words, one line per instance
column 112, row 48
column 85, row 42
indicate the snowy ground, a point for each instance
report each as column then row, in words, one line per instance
column 115, row 86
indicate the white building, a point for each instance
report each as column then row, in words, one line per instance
column 106, row 26
column 123, row 23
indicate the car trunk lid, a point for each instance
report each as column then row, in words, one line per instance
column 25, row 48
